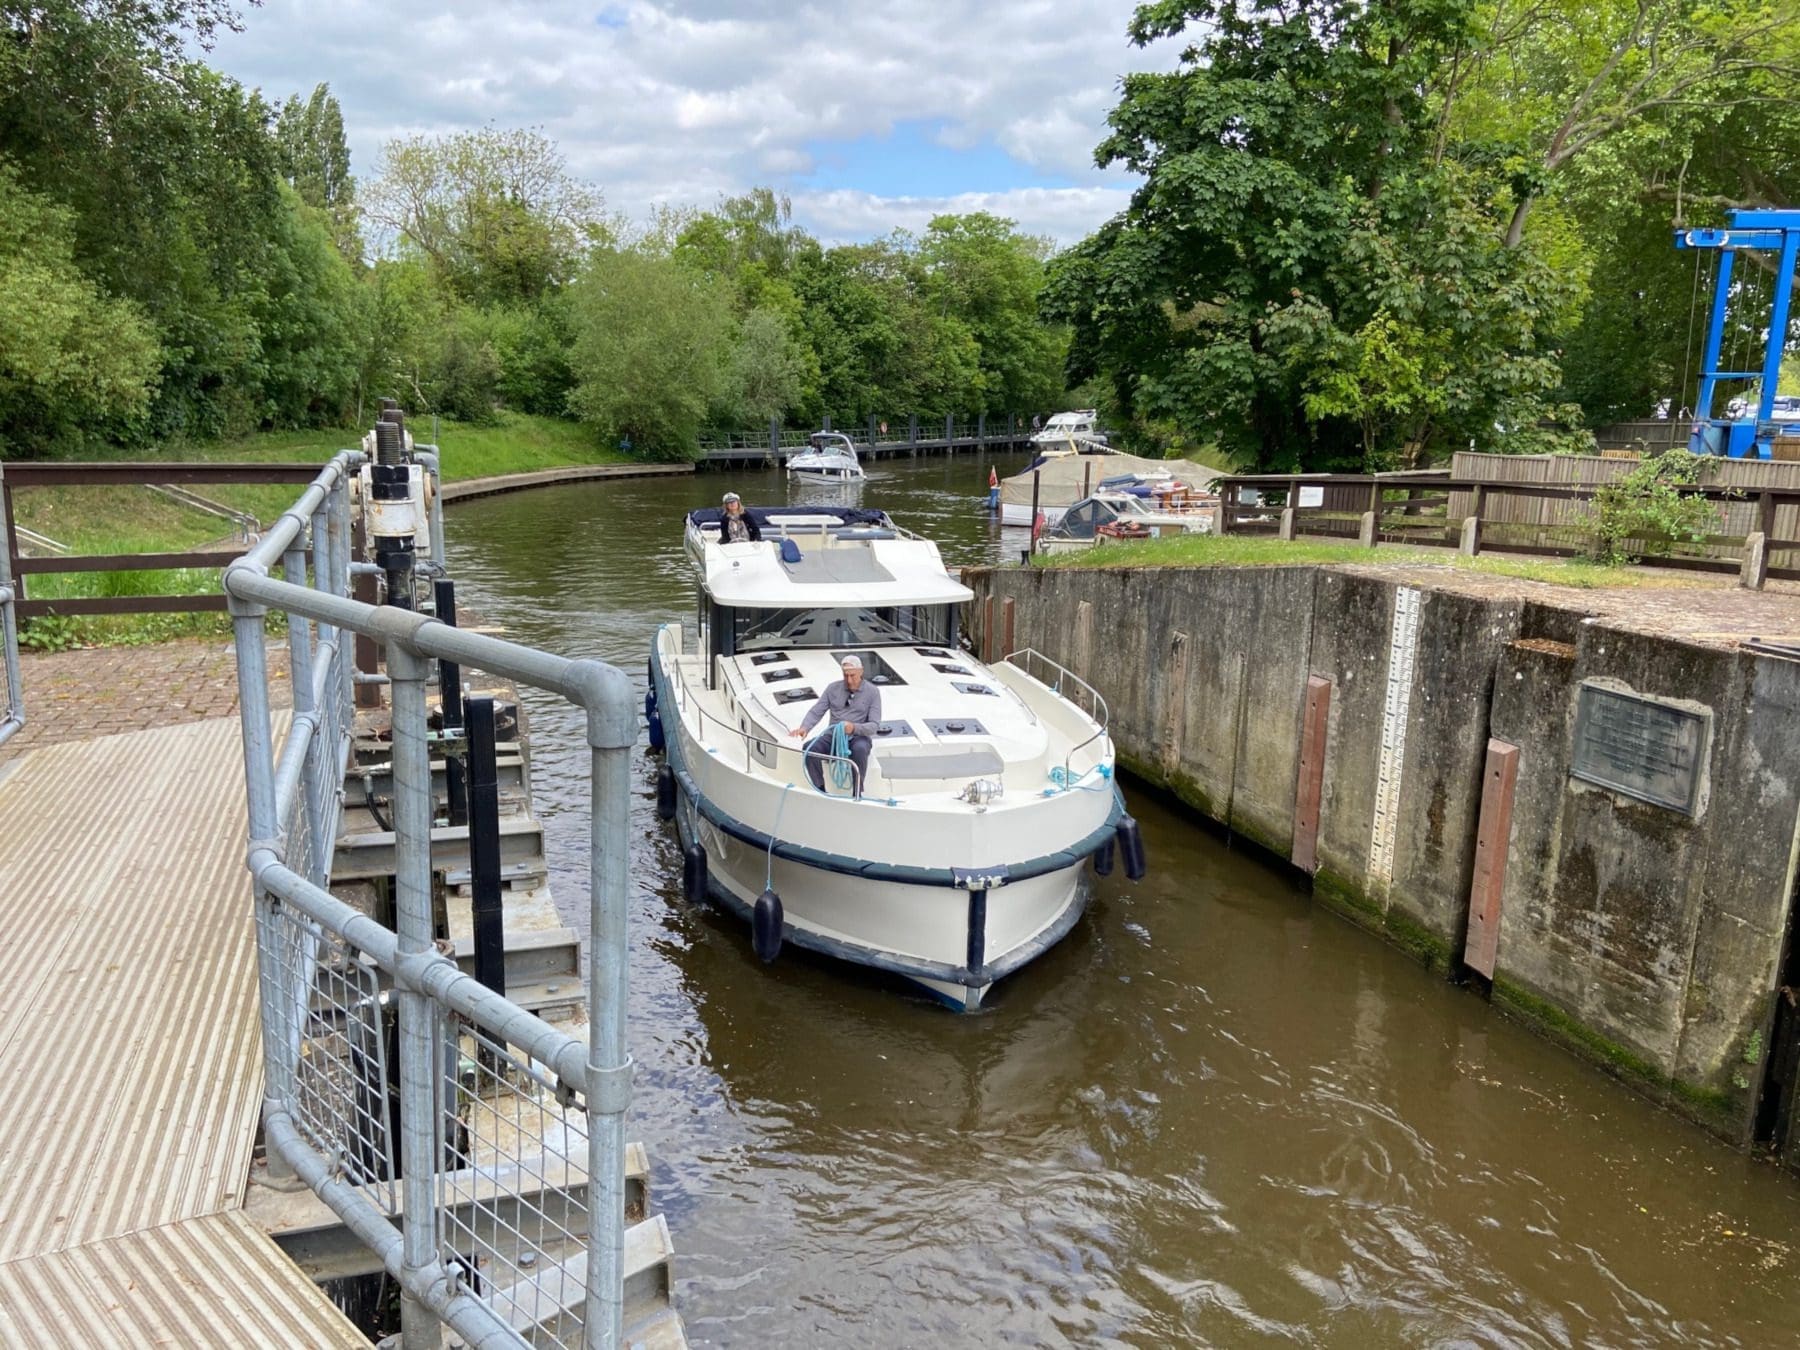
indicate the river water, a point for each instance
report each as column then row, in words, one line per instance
column 1215, row 1115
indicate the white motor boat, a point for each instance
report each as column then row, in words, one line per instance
column 832, row 459
column 1071, row 433
column 989, row 789
column 1121, row 514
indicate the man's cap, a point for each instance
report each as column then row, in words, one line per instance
column 731, row 497
column 852, row 663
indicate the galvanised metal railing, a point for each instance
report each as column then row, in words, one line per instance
column 507, row 1177
column 14, row 720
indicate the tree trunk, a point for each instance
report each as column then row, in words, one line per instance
column 1515, row 230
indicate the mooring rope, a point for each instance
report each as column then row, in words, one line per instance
column 843, row 772
column 769, row 857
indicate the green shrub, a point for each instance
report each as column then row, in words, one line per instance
column 1646, row 512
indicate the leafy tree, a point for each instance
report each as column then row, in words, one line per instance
column 651, row 342
column 1292, row 199
column 764, row 373
column 311, row 319
column 495, row 212
column 981, row 270
column 73, row 363
column 315, row 159
column 1553, row 83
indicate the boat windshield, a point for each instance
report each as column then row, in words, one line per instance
column 851, row 626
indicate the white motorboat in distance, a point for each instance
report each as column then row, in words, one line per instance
column 832, row 459
column 989, row 788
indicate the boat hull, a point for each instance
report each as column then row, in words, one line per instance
column 922, row 933
column 953, row 933
column 1012, row 513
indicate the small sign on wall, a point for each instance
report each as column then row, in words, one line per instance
column 1642, row 747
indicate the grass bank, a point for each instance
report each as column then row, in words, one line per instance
column 1205, row 550
column 137, row 520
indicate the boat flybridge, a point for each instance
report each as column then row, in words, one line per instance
column 831, row 459
column 963, row 852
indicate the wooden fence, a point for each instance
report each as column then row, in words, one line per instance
column 1552, row 518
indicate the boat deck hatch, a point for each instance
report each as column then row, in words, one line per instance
column 956, row 726
column 804, row 694
column 913, row 762
column 769, row 659
column 966, row 687
column 780, row 674
column 893, row 730
column 944, row 669
column 876, row 670
column 935, row 653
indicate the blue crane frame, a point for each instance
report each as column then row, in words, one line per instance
column 1749, row 231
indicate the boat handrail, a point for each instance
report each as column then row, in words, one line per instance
column 1095, row 710
column 683, row 695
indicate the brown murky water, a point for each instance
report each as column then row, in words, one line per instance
column 1216, row 1115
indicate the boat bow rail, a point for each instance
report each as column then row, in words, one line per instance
column 452, row 1194
column 1065, row 684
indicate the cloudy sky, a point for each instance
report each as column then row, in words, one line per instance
column 869, row 115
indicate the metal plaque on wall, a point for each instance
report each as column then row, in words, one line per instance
column 1641, row 747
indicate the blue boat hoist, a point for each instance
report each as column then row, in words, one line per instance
column 1745, row 436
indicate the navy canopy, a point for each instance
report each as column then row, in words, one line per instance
column 843, row 515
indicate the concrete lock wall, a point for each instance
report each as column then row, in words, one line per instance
column 1646, row 938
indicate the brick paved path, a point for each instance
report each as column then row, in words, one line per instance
column 70, row 696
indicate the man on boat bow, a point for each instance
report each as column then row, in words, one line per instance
column 855, row 704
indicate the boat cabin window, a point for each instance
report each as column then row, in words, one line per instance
column 752, row 630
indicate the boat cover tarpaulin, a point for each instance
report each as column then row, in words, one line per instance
column 843, row 515
column 1060, row 481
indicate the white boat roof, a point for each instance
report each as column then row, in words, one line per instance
column 817, row 559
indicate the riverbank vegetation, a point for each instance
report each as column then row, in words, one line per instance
column 1366, row 234
column 1372, row 233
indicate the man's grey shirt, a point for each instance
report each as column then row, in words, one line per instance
column 862, row 707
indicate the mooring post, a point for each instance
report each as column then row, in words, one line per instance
column 912, row 433
column 981, row 430
column 407, row 670
column 450, row 708
column 775, row 440
column 1493, row 845
column 1470, row 544
column 483, row 818
column 1006, row 628
column 362, row 588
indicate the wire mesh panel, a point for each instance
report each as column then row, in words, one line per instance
column 512, row 1197
column 323, row 1013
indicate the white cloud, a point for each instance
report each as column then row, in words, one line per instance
column 1065, row 214
column 677, row 102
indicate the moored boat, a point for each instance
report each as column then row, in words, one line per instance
column 958, row 849
column 830, row 460
column 1120, row 513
